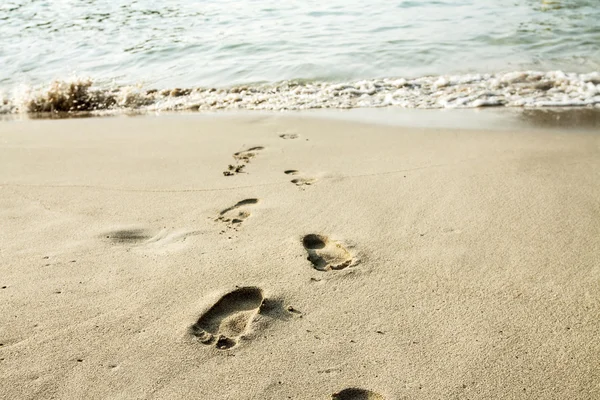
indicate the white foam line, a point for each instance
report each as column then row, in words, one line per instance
column 531, row 89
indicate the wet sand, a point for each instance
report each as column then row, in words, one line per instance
column 333, row 259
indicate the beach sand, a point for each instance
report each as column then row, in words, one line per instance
column 407, row 263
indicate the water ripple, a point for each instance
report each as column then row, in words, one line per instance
column 171, row 43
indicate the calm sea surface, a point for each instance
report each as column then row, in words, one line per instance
column 176, row 43
column 171, row 43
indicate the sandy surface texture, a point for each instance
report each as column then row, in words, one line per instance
column 275, row 257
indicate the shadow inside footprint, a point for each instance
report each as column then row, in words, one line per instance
column 148, row 239
column 227, row 320
column 239, row 204
column 326, row 254
column 356, row 394
column 129, row 236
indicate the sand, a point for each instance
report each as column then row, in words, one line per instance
column 401, row 263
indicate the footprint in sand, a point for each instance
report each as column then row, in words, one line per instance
column 289, row 136
column 247, row 155
column 326, row 254
column 229, row 318
column 303, row 181
column 356, row 394
column 234, row 169
column 242, row 158
column 146, row 238
column 236, row 214
column 300, row 181
column 130, row 236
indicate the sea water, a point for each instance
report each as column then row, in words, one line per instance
column 86, row 55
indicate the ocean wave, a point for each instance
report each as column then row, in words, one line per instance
column 528, row 89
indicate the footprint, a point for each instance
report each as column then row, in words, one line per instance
column 234, row 169
column 326, row 254
column 300, row 182
column 149, row 239
column 129, row 236
column 234, row 216
column 242, row 158
column 229, row 318
column 289, row 136
column 246, row 155
column 356, row 394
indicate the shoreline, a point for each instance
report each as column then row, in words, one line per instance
column 579, row 119
column 408, row 261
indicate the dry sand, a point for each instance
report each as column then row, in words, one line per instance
column 404, row 263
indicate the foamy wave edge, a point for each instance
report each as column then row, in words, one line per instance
column 530, row 89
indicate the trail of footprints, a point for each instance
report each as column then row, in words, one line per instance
column 299, row 181
column 229, row 320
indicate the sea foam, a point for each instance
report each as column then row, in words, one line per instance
column 529, row 89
